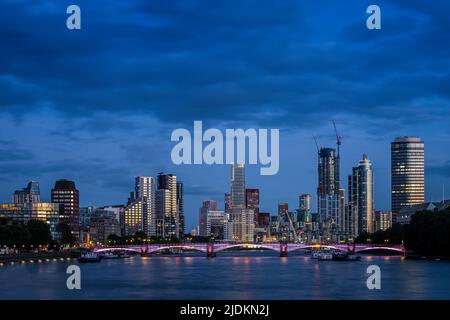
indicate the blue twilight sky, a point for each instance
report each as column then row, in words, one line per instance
column 98, row 105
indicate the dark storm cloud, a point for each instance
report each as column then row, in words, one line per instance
column 227, row 60
column 98, row 105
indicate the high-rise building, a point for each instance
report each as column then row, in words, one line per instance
column 145, row 192
column 305, row 207
column 180, row 206
column 241, row 225
column 203, row 216
column 252, row 202
column 68, row 197
column 238, row 186
column 166, row 205
column 361, row 201
column 407, row 173
column 328, row 190
column 30, row 194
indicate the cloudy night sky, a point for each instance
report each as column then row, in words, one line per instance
column 98, row 105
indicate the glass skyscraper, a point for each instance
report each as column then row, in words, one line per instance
column 360, row 199
column 328, row 191
column 167, row 204
column 407, row 172
column 238, row 186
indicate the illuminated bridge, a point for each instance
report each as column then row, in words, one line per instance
column 283, row 248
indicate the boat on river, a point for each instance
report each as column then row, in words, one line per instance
column 89, row 257
column 337, row 256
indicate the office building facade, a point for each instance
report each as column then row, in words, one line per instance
column 361, row 198
column 67, row 196
column 407, row 172
column 252, row 202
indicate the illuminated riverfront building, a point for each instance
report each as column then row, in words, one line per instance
column 167, row 209
column 407, row 173
column 238, row 186
column 30, row 194
column 103, row 226
column 203, row 217
column 68, row 198
column 145, row 193
column 328, row 193
column 383, row 220
column 134, row 217
column 305, row 208
column 215, row 224
column 24, row 212
column 360, row 198
column 241, row 225
column 252, row 202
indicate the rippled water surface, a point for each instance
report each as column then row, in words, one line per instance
column 245, row 275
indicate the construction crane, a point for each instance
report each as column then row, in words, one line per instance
column 317, row 144
column 338, row 138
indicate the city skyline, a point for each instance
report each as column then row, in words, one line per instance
column 106, row 117
column 193, row 219
column 145, row 190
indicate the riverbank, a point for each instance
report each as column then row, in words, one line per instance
column 420, row 257
column 34, row 257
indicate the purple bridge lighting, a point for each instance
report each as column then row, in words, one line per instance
column 283, row 248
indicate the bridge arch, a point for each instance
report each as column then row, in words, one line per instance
column 273, row 247
column 380, row 248
column 130, row 249
column 183, row 247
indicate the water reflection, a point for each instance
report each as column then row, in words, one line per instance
column 256, row 275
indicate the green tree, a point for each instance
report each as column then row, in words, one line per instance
column 66, row 237
column 14, row 235
column 428, row 233
column 39, row 233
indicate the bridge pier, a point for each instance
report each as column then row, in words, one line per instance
column 351, row 248
column 283, row 250
column 210, row 253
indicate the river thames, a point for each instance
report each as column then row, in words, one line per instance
column 236, row 275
